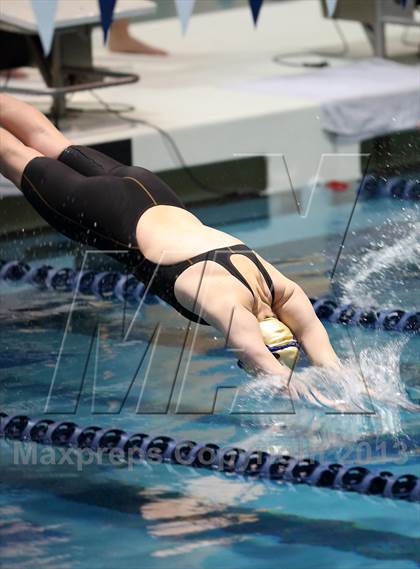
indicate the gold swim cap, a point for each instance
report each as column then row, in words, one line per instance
column 279, row 340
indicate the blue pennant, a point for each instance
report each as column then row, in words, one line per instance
column 255, row 9
column 107, row 10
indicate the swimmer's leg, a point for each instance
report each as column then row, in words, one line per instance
column 14, row 157
column 100, row 211
column 91, row 162
column 31, row 127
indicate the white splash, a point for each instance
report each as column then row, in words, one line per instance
column 322, row 409
column 368, row 272
column 327, row 408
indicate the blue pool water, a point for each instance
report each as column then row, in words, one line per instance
column 153, row 516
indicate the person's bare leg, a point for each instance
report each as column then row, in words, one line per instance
column 120, row 40
column 14, row 156
column 31, row 127
column 15, row 73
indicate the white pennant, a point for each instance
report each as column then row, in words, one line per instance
column 185, row 9
column 331, row 6
column 45, row 11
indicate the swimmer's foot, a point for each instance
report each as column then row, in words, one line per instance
column 121, row 41
column 131, row 45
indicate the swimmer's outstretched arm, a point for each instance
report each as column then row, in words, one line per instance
column 295, row 310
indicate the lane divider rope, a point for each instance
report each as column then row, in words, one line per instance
column 112, row 285
column 397, row 187
column 106, row 285
column 233, row 460
column 391, row 319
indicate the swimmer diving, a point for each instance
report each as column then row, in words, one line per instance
column 208, row 276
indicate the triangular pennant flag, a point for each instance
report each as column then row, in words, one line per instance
column 331, row 6
column 255, row 9
column 185, row 9
column 44, row 11
column 107, row 10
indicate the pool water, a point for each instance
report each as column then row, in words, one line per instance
column 152, row 515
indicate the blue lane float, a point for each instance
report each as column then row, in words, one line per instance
column 229, row 460
column 112, row 285
column 391, row 319
column 106, row 285
column 396, row 187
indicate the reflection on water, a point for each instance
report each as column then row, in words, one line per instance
column 149, row 519
column 196, row 521
column 24, row 543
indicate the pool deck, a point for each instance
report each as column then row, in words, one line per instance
column 195, row 94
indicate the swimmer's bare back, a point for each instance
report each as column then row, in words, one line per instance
column 169, row 235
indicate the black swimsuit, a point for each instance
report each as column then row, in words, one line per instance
column 95, row 200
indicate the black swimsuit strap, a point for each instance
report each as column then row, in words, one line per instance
column 222, row 256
